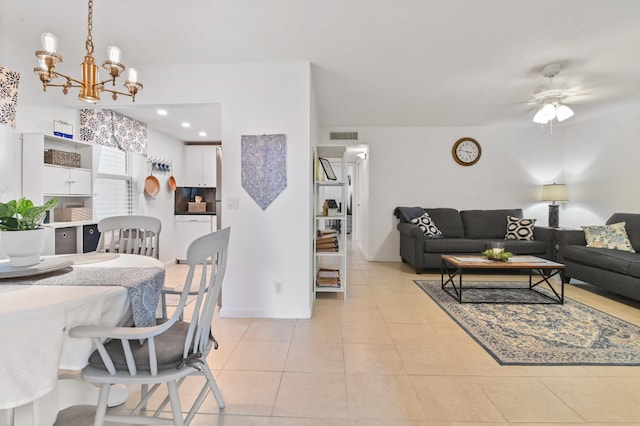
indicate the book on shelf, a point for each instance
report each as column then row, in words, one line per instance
column 327, row 234
column 327, row 244
column 327, row 241
column 328, row 278
column 327, row 250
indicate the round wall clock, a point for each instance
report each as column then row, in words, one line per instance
column 466, row 151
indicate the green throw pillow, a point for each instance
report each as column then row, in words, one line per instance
column 612, row 236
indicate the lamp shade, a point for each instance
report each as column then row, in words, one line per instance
column 555, row 192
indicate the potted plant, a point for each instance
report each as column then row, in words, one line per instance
column 21, row 230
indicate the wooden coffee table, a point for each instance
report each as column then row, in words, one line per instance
column 541, row 271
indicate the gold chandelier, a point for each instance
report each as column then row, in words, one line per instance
column 90, row 85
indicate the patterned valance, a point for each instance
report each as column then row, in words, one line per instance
column 106, row 127
column 9, row 81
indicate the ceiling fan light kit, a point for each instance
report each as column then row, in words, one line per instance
column 550, row 96
column 90, row 85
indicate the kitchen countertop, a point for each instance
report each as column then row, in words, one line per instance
column 195, row 214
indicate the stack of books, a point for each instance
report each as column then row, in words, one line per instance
column 328, row 278
column 327, row 241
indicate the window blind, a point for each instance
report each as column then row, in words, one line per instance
column 113, row 186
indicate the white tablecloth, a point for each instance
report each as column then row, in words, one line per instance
column 34, row 321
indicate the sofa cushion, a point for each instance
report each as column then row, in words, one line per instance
column 486, row 223
column 519, row 229
column 613, row 237
column 520, row 247
column 632, row 224
column 634, row 267
column 453, row 245
column 448, row 221
column 428, row 227
column 407, row 214
column 611, row 260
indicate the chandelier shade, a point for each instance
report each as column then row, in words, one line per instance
column 90, row 85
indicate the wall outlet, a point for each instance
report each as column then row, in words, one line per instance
column 278, row 287
column 233, row 202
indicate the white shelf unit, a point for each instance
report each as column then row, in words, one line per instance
column 42, row 181
column 325, row 189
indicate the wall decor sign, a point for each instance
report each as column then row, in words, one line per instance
column 264, row 167
column 9, row 82
column 106, row 127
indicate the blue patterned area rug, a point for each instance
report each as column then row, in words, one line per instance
column 541, row 334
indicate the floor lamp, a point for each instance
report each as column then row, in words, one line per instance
column 554, row 192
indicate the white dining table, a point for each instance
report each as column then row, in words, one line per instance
column 34, row 340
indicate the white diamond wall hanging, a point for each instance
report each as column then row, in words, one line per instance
column 264, row 167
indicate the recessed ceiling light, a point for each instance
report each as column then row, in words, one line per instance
column 162, row 112
column 186, row 125
column 202, row 134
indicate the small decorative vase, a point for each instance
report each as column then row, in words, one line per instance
column 23, row 247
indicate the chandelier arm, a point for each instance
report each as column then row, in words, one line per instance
column 59, row 74
column 117, row 92
column 109, row 80
column 62, row 85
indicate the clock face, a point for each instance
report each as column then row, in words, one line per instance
column 466, row 151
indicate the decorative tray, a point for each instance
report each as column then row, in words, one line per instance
column 47, row 264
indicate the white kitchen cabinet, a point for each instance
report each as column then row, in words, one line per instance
column 58, row 180
column 188, row 228
column 200, row 166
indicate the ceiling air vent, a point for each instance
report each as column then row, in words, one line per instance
column 342, row 136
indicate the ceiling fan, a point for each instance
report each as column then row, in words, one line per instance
column 551, row 96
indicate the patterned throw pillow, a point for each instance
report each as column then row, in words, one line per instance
column 612, row 236
column 428, row 227
column 519, row 229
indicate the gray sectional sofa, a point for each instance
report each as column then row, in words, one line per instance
column 464, row 232
column 615, row 271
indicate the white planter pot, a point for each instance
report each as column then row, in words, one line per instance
column 23, row 247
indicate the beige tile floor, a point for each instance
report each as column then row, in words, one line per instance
column 387, row 355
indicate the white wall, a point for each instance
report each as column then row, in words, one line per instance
column 414, row 167
column 601, row 158
column 266, row 246
column 314, row 131
column 169, row 148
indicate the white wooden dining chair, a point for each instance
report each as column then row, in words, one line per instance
column 171, row 350
column 131, row 235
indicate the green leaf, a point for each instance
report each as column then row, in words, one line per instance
column 24, row 205
column 23, row 215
